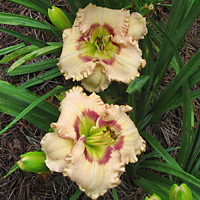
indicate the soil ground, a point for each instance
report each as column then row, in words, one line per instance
column 24, row 136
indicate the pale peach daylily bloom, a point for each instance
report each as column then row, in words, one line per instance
column 106, row 37
column 92, row 142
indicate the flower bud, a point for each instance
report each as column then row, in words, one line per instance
column 33, row 162
column 181, row 192
column 153, row 197
column 151, row 7
column 58, row 18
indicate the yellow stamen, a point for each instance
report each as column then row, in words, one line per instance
column 106, row 137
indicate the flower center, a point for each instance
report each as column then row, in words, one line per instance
column 103, row 136
column 98, row 138
column 102, row 43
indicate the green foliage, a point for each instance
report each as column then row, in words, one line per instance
column 10, row 49
column 12, row 19
column 141, row 94
column 22, row 103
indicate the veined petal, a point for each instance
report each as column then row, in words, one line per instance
column 137, row 27
column 129, row 142
column 56, row 149
column 125, row 63
column 93, row 178
column 76, row 60
column 72, row 107
column 97, row 81
column 91, row 14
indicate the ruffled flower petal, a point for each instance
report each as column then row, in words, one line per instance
column 56, row 149
column 126, row 62
column 76, row 60
column 94, row 179
column 72, row 108
column 106, row 37
column 129, row 142
column 137, row 27
column 97, row 81
column 92, row 142
column 91, row 14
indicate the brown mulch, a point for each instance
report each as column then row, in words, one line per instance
column 24, row 136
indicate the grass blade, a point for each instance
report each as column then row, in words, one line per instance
column 41, row 78
column 13, row 19
column 10, row 49
column 32, row 5
column 194, row 153
column 167, row 168
column 25, row 38
column 18, row 53
column 151, row 188
column 15, row 167
column 13, row 101
column 39, row 52
column 73, row 6
column 114, row 194
column 154, row 183
column 156, row 145
column 166, row 53
column 25, row 69
column 137, row 84
column 135, row 2
column 155, row 154
column 186, row 128
column 76, row 195
column 188, row 70
column 32, row 105
column 176, row 10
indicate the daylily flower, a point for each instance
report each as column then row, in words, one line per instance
column 102, row 46
column 92, row 142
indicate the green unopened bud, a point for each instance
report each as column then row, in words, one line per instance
column 153, row 197
column 33, row 162
column 181, row 192
column 58, row 18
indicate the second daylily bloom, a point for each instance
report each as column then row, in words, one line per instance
column 92, row 142
column 102, row 46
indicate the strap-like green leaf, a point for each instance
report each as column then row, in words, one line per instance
column 76, row 195
column 73, row 6
column 41, row 78
column 18, row 53
column 155, row 154
column 23, row 103
column 15, row 167
column 10, row 49
column 188, row 70
column 183, row 158
column 166, row 52
column 33, row 4
column 156, row 145
column 137, row 84
column 25, row 38
column 154, row 183
column 39, row 52
column 114, row 194
column 172, row 170
column 135, row 2
column 13, row 19
column 194, row 152
column 25, row 69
